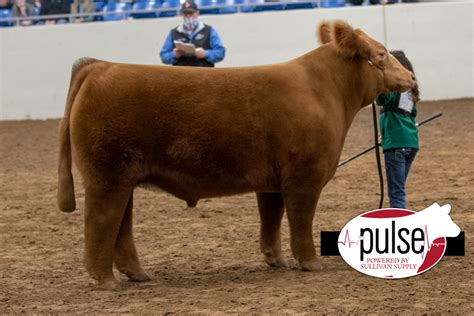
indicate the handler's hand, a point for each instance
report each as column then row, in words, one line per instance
column 177, row 53
column 200, row 53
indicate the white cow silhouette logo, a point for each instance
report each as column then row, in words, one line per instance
column 439, row 222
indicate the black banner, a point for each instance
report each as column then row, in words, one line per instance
column 454, row 245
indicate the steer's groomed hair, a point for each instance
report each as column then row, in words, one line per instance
column 403, row 59
column 324, row 32
column 349, row 42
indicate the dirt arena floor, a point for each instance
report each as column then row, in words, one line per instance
column 207, row 260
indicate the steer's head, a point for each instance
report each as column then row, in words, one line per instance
column 359, row 47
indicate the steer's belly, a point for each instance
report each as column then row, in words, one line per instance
column 191, row 190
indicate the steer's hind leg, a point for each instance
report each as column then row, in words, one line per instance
column 125, row 255
column 104, row 210
column 271, row 208
column 300, row 202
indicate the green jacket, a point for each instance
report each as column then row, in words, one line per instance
column 398, row 130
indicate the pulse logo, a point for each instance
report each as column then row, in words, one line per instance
column 397, row 243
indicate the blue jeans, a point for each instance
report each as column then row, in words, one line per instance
column 397, row 165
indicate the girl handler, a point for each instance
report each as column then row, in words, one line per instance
column 399, row 135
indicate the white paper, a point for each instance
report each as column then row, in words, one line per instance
column 406, row 102
column 187, row 48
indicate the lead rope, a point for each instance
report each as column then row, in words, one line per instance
column 377, row 153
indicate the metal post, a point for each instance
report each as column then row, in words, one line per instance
column 384, row 17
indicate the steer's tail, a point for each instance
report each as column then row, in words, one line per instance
column 66, row 198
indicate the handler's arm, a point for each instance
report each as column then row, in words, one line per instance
column 166, row 54
column 217, row 51
column 384, row 99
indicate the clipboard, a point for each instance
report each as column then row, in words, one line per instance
column 187, row 48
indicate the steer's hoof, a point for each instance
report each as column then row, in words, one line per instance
column 109, row 286
column 138, row 277
column 191, row 203
column 276, row 262
column 311, row 266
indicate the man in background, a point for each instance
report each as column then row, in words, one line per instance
column 209, row 48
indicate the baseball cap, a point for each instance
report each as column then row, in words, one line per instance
column 189, row 6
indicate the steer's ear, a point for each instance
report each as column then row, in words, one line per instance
column 351, row 42
column 324, row 32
